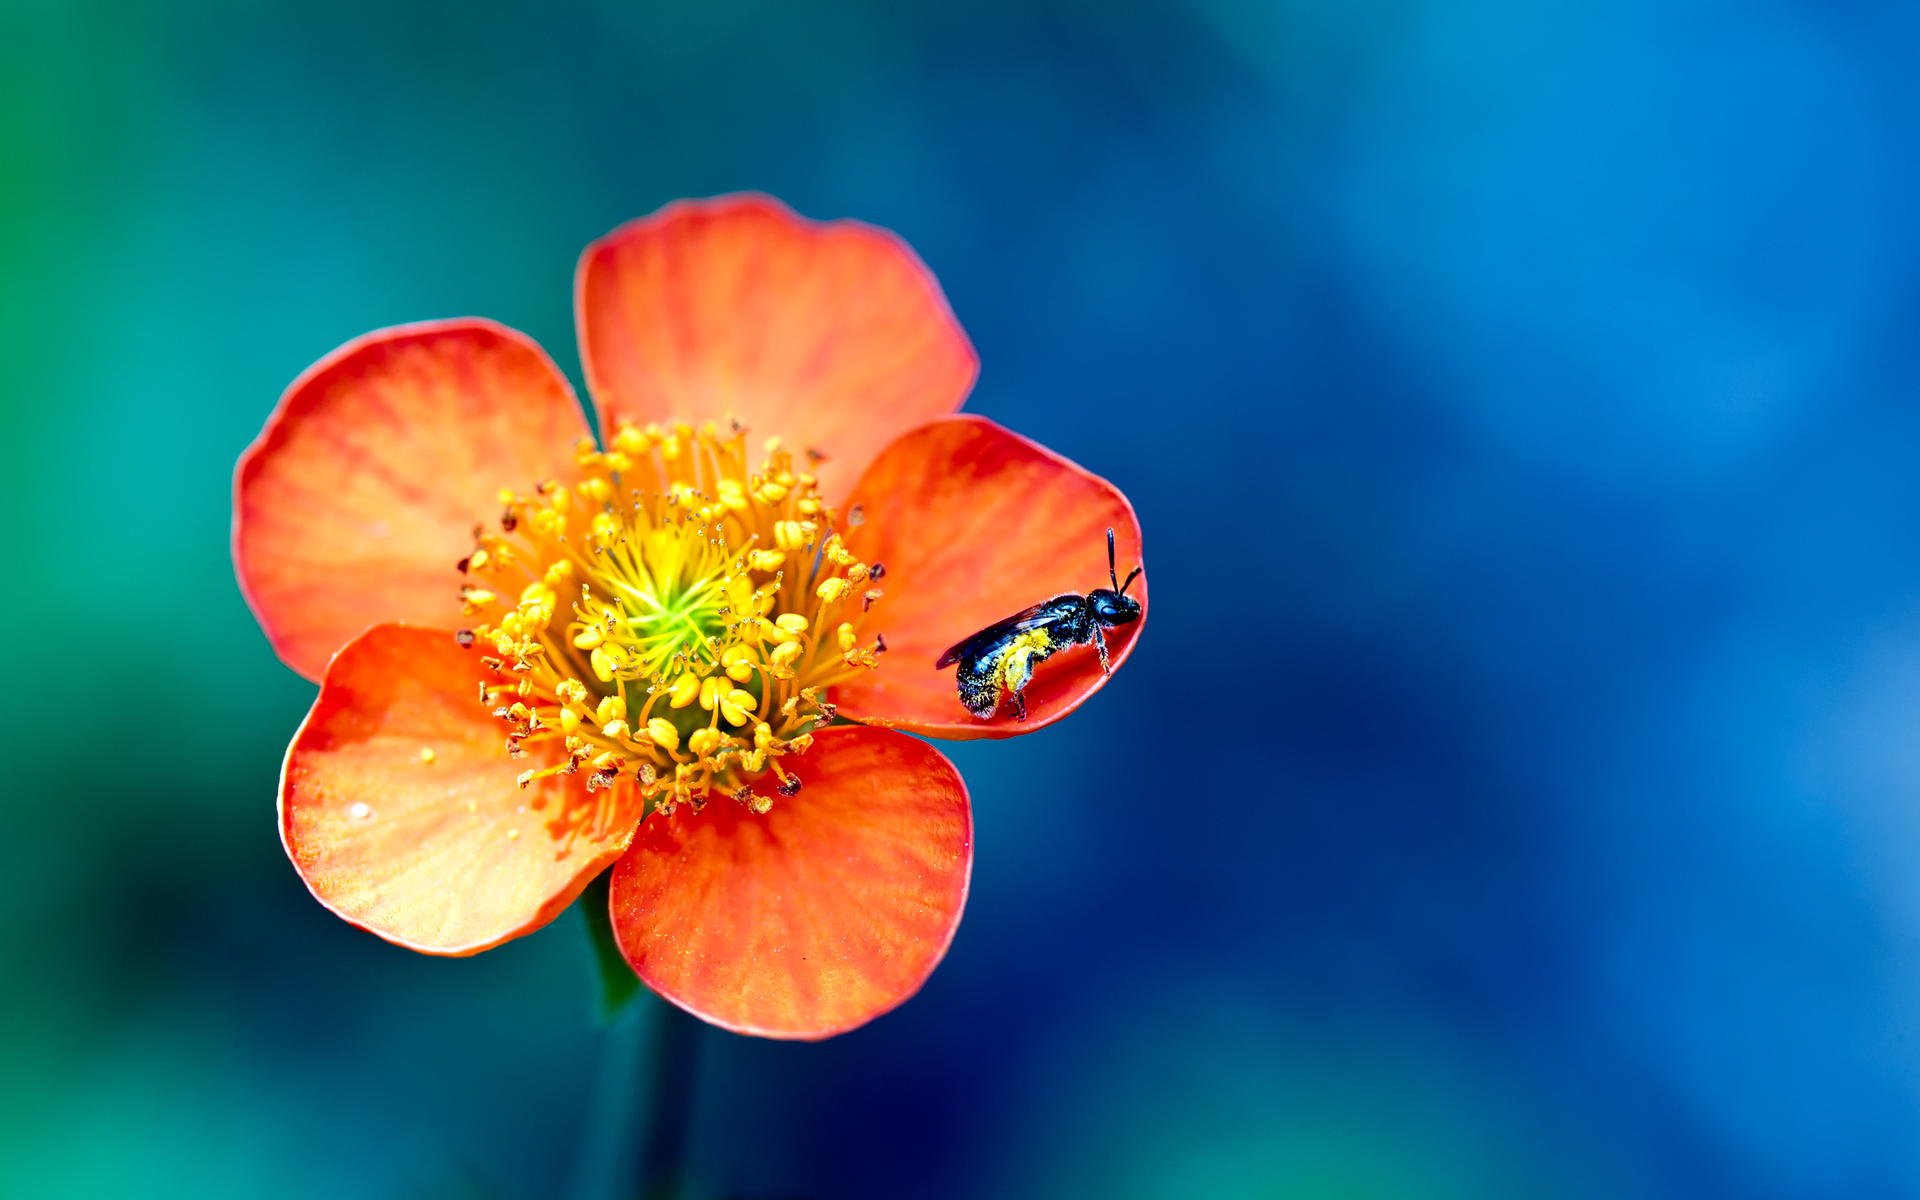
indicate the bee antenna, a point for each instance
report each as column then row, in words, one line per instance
column 1113, row 578
column 1131, row 576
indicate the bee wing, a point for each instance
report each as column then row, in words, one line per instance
column 1026, row 618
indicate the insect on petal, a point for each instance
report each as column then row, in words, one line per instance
column 974, row 523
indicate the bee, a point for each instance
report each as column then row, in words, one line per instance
column 1004, row 654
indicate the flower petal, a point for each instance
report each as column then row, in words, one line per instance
column 834, row 336
column 444, row 853
column 362, row 492
column 817, row 917
column 974, row 523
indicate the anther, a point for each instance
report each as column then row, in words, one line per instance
column 663, row 733
column 737, row 706
column 790, row 786
column 464, row 637
column 738, row 661
column 877, row 572
column 684, row 690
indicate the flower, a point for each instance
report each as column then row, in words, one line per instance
column 686, row 652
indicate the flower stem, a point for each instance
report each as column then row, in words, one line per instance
column 671, row 1067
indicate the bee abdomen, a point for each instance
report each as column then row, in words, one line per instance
column 979, row 686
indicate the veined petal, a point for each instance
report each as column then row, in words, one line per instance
column 974, row 523
column 816, row 917
column 834, row 335
column 362, row 492
column 400, row 810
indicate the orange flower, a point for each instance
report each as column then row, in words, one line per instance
column 540, row 656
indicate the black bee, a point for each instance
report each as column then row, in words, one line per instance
column 1005, row 652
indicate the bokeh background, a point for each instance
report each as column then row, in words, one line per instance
column 1517, row 790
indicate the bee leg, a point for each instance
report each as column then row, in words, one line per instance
column 1100, row 640
column 1017, row 671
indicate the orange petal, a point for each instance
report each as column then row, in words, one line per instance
column 817, row 917
column 362, row 491
column 834, row 336
column 974, row 523
column 446, row 855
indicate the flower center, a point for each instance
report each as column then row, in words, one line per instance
column 675, row 618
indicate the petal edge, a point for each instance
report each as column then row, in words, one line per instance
column 444, row 855
column 360, row 493
column 833, row 335
column 814, row 919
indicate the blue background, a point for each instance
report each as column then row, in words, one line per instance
column 1514, row 795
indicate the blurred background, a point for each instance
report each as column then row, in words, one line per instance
column 1516, row 793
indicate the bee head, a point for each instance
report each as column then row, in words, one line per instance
column 1112, row 608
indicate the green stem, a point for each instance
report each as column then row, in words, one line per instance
column 672, row 1065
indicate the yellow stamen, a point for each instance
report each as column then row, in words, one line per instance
column 685, row 689
column 671, row 570
column 664, row 734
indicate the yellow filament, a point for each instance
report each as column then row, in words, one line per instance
column 670, row 572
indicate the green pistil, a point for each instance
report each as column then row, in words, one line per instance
column 683, row 621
